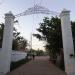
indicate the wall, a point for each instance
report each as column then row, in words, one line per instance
column 18, row 55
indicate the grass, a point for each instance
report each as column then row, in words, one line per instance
column 17, row 64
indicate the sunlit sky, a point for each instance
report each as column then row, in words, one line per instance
column 28, row 24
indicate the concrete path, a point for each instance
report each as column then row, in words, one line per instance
column 39, row 66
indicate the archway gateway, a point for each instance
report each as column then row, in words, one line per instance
column 5, row 53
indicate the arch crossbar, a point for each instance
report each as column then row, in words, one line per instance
column 36, row 10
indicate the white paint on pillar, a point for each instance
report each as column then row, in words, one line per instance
column 67, row 42
column 5, row 53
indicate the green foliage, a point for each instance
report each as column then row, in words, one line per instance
column 1, row 33
column 73, row 32
column 50, row 30
column 17, row 64
column 37, row 52
column 19, row 43
column 40, row 53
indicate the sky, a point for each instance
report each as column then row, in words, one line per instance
column 27, row 24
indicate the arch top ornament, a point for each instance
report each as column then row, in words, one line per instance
column 36, row 10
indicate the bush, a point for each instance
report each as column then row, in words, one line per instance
column 17, row 64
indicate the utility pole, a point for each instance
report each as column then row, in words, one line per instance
column 31, row 41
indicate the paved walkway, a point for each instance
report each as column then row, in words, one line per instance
column 39, row 66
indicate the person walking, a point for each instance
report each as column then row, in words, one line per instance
column 33, row 56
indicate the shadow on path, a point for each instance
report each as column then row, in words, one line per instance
column 38, row 66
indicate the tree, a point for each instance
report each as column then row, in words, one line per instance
column 19, row 43
column 73, row 32
column 1, row 33
column 40, row 52
column 22, row 43
column 51, row 33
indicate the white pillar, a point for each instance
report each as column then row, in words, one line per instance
column 5, row 55
column 67, row 42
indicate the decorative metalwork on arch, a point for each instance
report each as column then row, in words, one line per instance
column 36, row 10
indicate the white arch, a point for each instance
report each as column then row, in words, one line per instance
column 36, row 10
column 5, row 53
